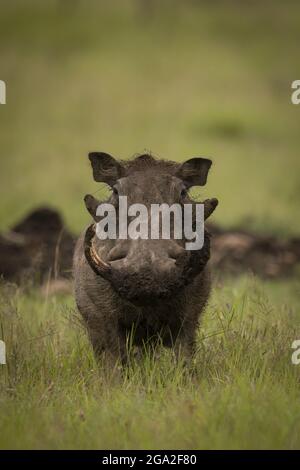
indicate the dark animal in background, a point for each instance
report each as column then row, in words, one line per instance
column 153, row 288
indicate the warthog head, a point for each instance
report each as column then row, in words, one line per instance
column 142, row 270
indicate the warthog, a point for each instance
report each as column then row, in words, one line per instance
column 148, row 288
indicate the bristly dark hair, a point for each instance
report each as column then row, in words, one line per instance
column 145, row 161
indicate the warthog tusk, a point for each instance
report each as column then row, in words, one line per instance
column 97, row 264
column 96, row 258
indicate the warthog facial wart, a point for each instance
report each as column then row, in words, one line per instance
column 113, row 225
column 2, row 92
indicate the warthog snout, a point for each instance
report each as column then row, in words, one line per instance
column 146, row 268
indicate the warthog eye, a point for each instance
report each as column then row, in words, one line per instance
column 115, row 191
column 183, row 193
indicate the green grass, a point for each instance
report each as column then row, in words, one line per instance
column 244, row 393
column 212, row 79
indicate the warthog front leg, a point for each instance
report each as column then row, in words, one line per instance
column 110, row 351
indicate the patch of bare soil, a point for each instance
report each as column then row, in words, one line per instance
column 238, row 251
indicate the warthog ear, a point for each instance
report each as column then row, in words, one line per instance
column 91, row 204
column 105, row 168
column 194, row 172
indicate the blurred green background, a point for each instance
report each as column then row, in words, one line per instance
column 179, row 78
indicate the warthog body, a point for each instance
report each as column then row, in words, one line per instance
column 149, row 288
